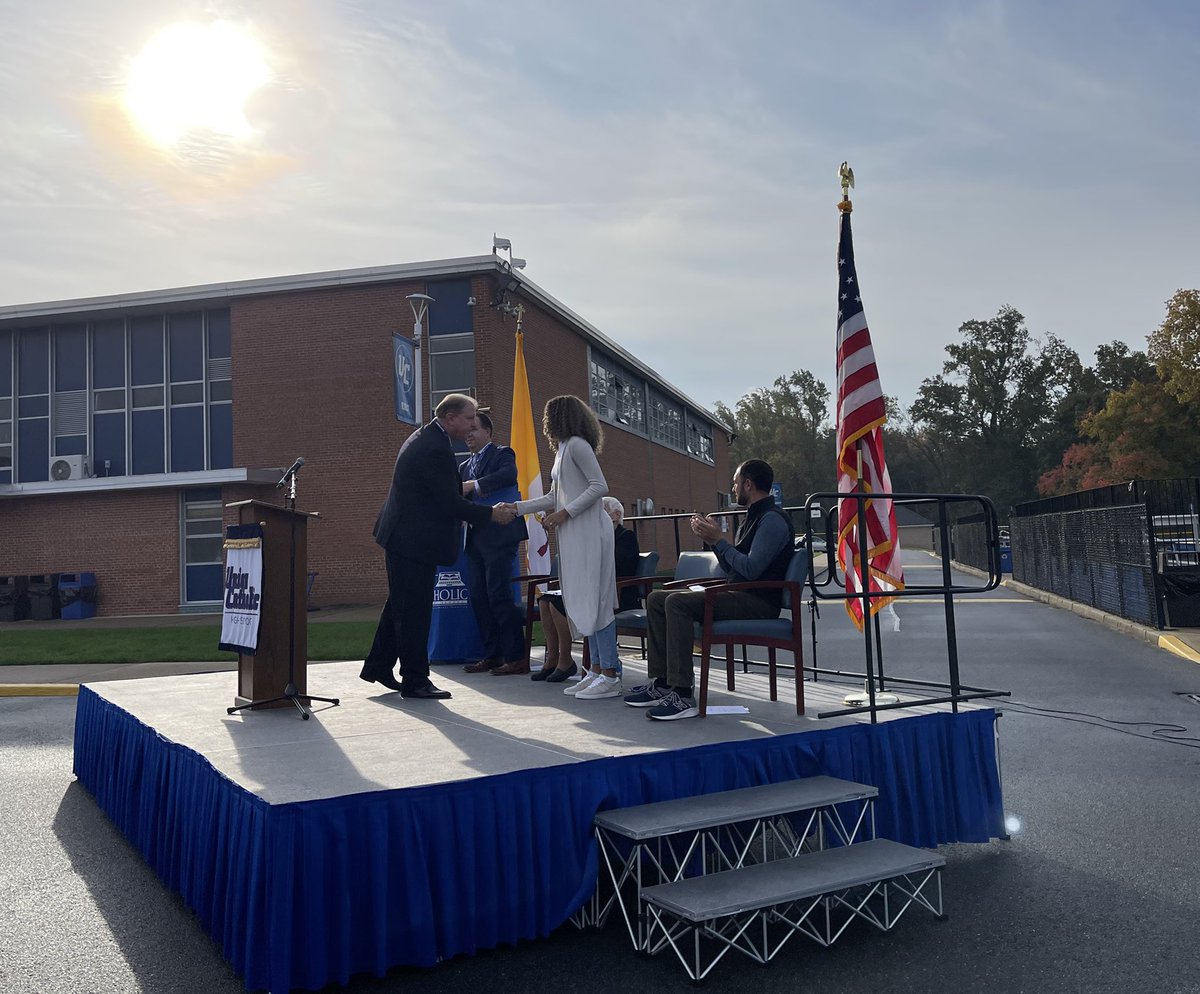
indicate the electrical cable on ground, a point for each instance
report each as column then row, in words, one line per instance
column 1163, row 731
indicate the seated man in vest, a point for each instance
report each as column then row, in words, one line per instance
column 761, row 550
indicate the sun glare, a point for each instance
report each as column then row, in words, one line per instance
column 194, row 78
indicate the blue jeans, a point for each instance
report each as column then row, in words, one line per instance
column 602, row 647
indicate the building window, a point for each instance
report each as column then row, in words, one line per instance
column 451, row 366
column 451, row 341
column 219, row 376
column 6, row 406
column 149, row 394
column 69, row 411
column 185, row 363
column 200, row 538
column 33, row 405
column 616, row 394
column 109, row 398
column 147, row 357
column 699, row 439
column 666, row 421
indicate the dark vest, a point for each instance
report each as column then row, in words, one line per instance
column 745, row 538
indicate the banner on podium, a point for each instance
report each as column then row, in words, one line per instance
column 243, row 589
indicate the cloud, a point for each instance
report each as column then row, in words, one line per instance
column 669, row 172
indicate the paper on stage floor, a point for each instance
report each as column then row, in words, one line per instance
column 728, row 709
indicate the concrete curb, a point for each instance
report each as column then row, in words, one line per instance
column 1170, row 643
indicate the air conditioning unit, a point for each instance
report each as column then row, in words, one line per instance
column 68, row 468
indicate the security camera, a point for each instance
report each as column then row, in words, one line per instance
column 470, row 301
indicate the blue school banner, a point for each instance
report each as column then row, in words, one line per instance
column 404, row 362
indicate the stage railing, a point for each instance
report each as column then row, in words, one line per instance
column 948, row 508
column 815, row 523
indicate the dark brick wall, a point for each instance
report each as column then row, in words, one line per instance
column 129, row 539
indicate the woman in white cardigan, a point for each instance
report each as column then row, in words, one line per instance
column 575, row 513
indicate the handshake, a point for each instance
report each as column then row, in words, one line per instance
column 503, row 514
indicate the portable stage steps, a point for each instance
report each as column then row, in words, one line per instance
column 756, row 909
column 653, row 844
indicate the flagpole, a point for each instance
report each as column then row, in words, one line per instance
column 872, row 642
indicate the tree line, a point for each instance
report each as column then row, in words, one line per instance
column 1010, row 416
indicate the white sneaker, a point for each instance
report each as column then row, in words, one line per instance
column 600, row 688
column 575, row 688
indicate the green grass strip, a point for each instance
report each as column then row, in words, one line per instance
column 172, row 644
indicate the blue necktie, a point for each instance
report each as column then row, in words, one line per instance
column 473, row 467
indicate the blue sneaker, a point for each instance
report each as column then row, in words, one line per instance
column 673, row 707
column 646, row 696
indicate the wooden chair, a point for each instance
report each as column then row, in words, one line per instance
column 773, row 634
column 532, row 581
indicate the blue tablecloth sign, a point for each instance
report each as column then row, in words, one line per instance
column 453, row 633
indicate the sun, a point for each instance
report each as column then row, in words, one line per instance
column 194, row 78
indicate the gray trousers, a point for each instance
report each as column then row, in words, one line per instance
column 670, row 619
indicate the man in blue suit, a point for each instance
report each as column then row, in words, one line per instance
column 489, row 478
column 420, row 527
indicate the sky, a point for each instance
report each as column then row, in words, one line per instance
column 667, row 169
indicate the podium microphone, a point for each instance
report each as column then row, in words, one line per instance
column 291, row 470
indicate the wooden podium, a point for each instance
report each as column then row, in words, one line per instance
column 263, row 679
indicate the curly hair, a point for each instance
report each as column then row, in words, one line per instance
column 567, row 415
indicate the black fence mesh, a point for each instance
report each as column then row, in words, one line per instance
column 969, row 540
column 1102, row 557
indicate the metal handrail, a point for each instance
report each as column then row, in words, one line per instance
column 829, row 584
column 872, row 642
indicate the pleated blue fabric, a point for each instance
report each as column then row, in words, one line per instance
column 305, row 894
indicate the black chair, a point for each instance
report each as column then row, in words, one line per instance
column 691, row 568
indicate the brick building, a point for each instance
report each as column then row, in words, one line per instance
column 128, row 422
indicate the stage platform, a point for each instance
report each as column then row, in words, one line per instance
column 386, row 832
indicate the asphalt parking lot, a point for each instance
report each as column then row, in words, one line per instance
column 1097, row 891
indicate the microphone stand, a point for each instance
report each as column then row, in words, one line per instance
column 289, row 691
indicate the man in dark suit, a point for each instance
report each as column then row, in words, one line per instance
column 490, row 478
column 420, row 528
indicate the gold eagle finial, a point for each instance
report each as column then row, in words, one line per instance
column 846, row 175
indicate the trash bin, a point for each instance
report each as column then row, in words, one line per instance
column 1005, row 559
column 13, row 605
column 77, row 595
column 42, row 593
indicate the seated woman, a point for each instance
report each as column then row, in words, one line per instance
column 554, row 620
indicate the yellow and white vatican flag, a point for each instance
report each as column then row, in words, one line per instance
column 529, row 470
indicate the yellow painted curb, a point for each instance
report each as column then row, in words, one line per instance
column 935, row 600
column 39, row 690
column 1172, row 644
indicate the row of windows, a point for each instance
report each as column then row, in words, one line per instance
column 146, row 394
column 622, row 398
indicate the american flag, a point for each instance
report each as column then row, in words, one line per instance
column 860, row 418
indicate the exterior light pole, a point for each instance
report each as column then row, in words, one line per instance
column 420, row 308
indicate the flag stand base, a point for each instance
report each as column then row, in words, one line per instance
column 862, row 698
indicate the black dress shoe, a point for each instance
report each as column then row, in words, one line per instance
column 384, row 677
column 427, row 693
